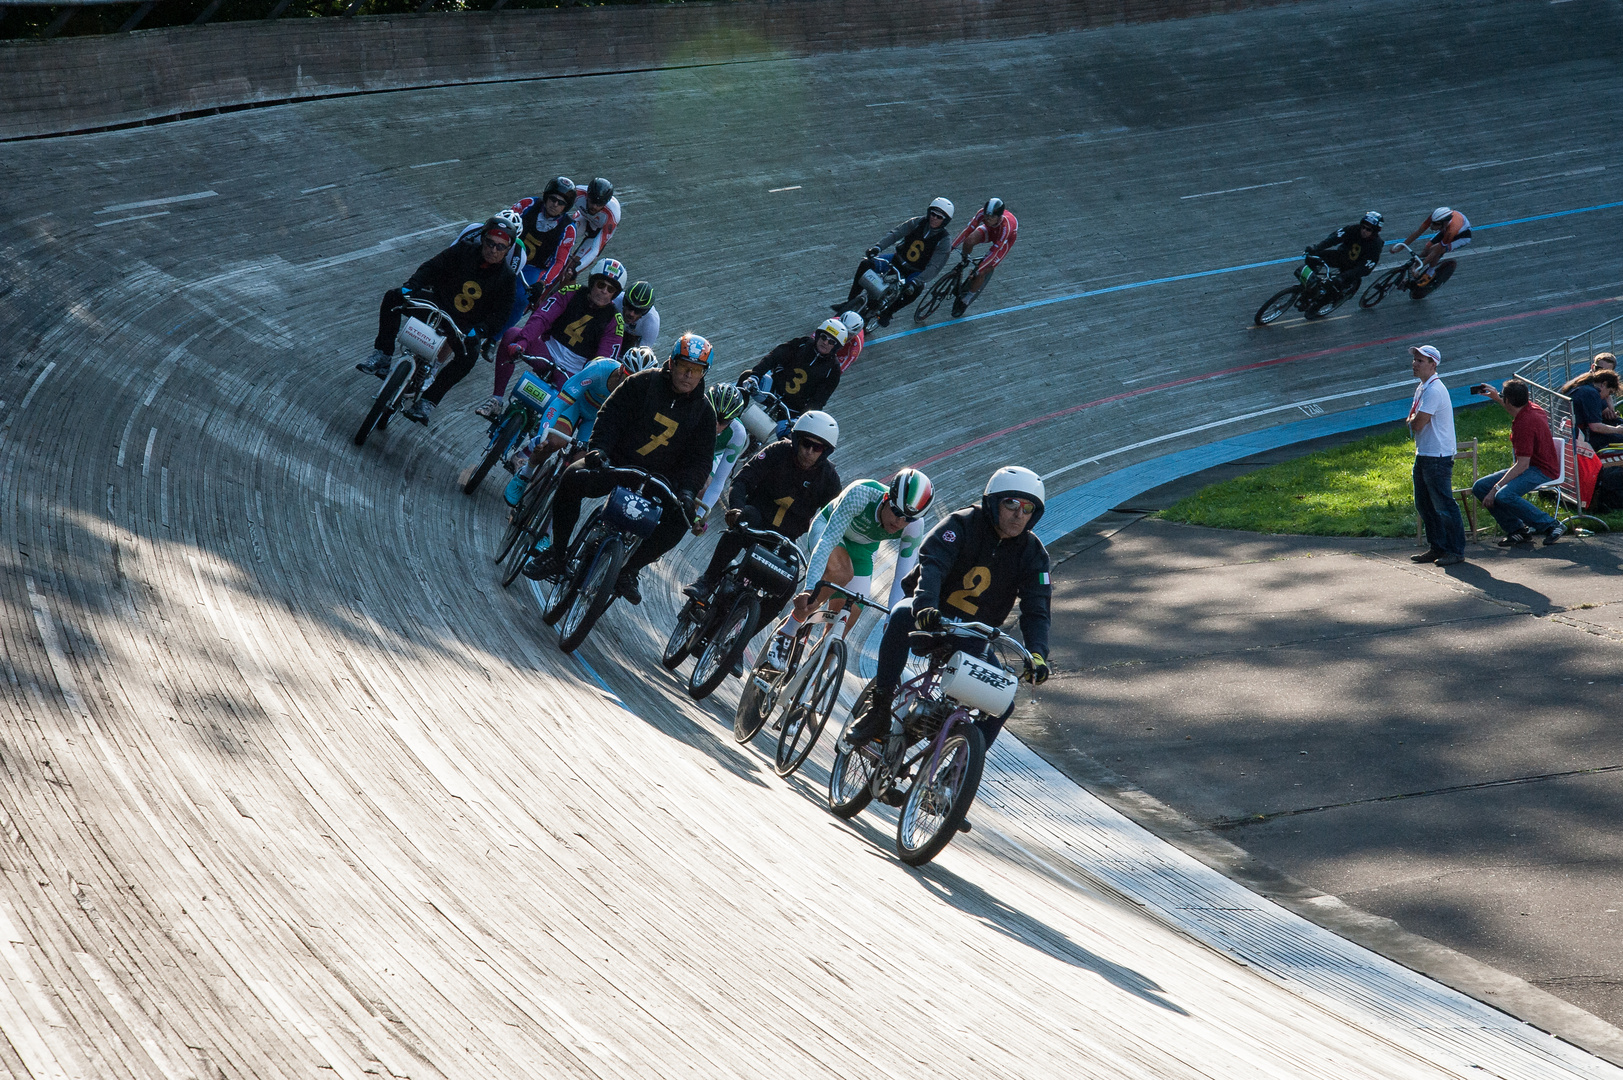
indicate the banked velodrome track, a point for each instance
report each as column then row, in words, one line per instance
column 292, row 788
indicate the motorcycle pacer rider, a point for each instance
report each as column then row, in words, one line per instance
column 974, row 565
column 573, row 410
column 660, row 421
column 919, row 255
column 855, row 335
column 803, row 372
column 472, row 282
column 992, row 224
column 729, row 402
column 551, row 232
column 576, row 322
column 1453, row 230
column 599, row 213
column 636, row 307
column 1351, row 251
column 845, row 535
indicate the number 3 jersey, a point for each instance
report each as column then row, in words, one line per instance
column 571, row 331
column 968, row 572
column 801, row 377
column 477, row 295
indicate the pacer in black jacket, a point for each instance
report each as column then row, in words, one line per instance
column 805, row 371
column 657, row 420
column 973, row 566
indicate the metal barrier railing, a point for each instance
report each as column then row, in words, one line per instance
column 1568, row 488
column 1571, row 357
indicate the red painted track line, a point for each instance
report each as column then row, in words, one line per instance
column 1208, row 376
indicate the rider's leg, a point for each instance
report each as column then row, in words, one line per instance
column 727, row 547
column 576, row 485
column 837, row 572
column 463, row 355
column 389, row 321
column 892, row 662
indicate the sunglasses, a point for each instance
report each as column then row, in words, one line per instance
column 1025, row 506
column 498, row 241
column 938, row 214
column 558, row 199
column 688, row 367
column 826, row 339
column 817, row 446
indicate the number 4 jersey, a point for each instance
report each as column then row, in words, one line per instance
column 571, row 331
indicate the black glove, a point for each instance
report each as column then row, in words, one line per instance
column 690, row 505
column 1039, row 669
column 593, row 459
column 927, row 619
column 734, row 516
column 872, row 252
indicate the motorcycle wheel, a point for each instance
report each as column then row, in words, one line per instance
column 688, row 625
column 512, row 426
column 804, row 721
column 1324, row 304
column 380, row 404
column 939, row 799
column 1277, row 305
column 722, row 651
column 595, row 594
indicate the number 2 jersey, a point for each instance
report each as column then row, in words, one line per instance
column 570, row 331
column 477, row 295
column 968, row 572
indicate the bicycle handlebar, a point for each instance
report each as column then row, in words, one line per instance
column 855, row 597
column 777, row 540
column 989, row 634
column 643, row 476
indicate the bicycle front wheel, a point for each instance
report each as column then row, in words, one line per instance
column 725, row 646
column 681, row 639
column 378, row 414
column 525, row 525
column 1379, row 288
column 1278, row 304
column 512, row 426
column 594, row 596
column 803, row 722
column 939, row 293
column 939, row 799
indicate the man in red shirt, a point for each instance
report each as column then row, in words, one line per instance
column 1537, row 463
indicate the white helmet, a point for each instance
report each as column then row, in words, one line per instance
column 852, row 321
column 835, row 329
column 1441, row 214
column 638, row 358
column 611, row 269
column 943, row 205
column 1012, row 480
column 819, row 425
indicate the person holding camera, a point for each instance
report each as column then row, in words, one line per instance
column 1537, row 463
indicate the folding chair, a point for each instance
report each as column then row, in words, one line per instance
column 1565, row 487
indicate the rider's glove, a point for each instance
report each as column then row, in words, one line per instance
column 690, row 505
column 734, row 516
column 872, row 252
column 748, row 384
column 927, row 619
column 593, row 459
column 1039, row 669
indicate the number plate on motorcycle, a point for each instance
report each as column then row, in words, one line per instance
column 975, row 684
column 532, row 393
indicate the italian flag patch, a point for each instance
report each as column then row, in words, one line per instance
column 1042, row 579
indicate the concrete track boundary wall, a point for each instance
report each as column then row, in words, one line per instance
column 74, row 85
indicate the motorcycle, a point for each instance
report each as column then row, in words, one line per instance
column 1318, row 291
column 881, row 288
column 427, row 339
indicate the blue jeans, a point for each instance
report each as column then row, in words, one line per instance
column 892, row 661
column 1512, row 512
column 1434, row 501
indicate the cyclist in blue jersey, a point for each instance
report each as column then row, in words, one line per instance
column 573, row 410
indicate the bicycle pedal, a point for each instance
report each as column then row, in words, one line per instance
column 894, row 797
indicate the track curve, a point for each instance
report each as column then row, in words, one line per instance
column 290, row 783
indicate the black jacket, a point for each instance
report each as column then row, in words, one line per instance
column 770, row 477
column 967, row 571
column 646, row 424
column 1346, row 249
column 800, row 377
column 477, row 297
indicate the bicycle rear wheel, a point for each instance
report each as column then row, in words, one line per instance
column 803, row 722
column 1277, row 305
column 939, row 798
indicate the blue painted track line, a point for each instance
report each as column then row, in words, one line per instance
column 1201, row 274
column 1075, row 507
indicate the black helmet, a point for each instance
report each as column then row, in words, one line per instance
column 599, row 192
column 994, row 207
column 561, row 186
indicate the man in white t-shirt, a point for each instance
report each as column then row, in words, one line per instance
column 1431, row 421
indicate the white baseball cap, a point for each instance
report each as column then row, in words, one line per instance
column 1427, row 352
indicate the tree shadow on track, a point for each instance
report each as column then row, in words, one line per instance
column 973, row 900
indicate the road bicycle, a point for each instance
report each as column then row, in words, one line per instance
column 520, row 420
column 1408, row 278
column 808, row 686
column 949, row 286
column 530, row 522
column 934, row 745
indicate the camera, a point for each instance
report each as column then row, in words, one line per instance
column 1481, row 388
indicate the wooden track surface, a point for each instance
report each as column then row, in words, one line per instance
column 292, row 787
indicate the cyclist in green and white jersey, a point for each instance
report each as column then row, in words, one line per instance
column 731, row 439
column 848, row 531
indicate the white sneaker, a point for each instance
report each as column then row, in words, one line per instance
column 490, row 409
column 777, row 654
